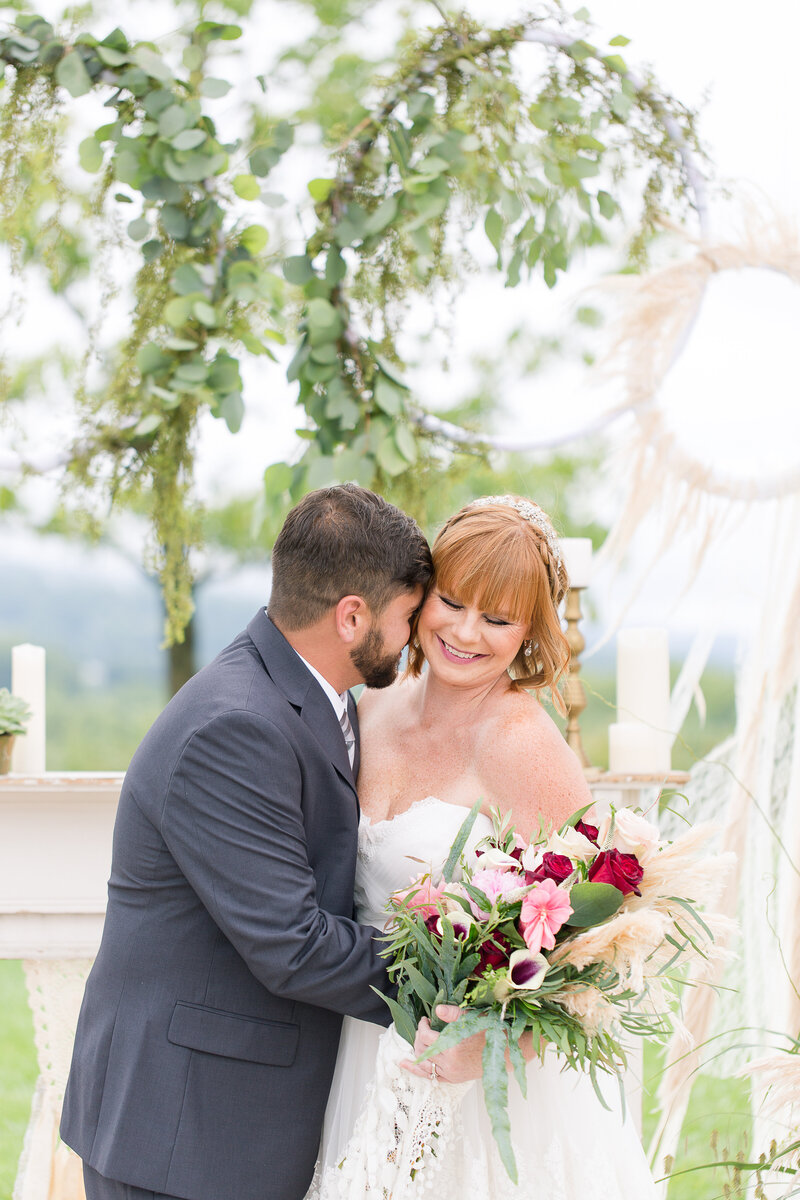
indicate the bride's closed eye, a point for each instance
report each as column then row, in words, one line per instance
column 457, row 608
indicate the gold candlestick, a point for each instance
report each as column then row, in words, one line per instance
column 574, row 692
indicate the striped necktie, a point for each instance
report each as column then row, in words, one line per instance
column 349, row 736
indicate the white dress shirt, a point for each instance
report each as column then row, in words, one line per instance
column 338, row 702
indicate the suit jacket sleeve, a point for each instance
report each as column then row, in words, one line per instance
column 232, row 819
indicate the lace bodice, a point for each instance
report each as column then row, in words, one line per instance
column 392, row 853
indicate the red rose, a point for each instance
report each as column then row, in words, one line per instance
column 588, row 831
column 553, row 866
column 493, row 955
column 622, row 870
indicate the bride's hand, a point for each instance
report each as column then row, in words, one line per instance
column 458, row 1065
column 464, row 1061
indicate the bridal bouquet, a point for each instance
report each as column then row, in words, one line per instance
column 576, row 938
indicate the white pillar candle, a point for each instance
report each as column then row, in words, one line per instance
column 643, row 694
column 27, row 682
column 577, row 556
column 633, row 749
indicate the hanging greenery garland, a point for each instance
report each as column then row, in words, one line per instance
column 454, row 140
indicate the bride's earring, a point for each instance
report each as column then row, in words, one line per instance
column 528, row 649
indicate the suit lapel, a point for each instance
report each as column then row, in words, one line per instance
column 301, row 689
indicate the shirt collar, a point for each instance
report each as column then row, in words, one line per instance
column 339, row 702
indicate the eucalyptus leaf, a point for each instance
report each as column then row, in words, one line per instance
column 406, row 443
column 390, row 458
column 189, row 139
column 277, row 479
column 246, row 187
column 254, row 238
column 138, row 229
column 298, row 269
column 174, row 222
column 493, row 225
column 152, row 64
column 206, row 314
column 320, row 189
column 387, row 396
column 186, row 279
column 147, row 425
column 90, row 154
column 232, row 411
column 71, row 74
column 214, row 88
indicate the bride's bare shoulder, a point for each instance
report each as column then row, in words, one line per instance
column 525, row 757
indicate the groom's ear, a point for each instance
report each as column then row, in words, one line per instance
column 351, row 616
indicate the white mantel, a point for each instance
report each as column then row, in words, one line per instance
column 55, row 858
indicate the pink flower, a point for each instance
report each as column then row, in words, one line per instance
column 422, row 896
column 544, row 911
column 494, row 883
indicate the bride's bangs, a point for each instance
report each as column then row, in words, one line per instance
column 494, row 572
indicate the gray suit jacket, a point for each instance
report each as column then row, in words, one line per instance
column 209, row 1028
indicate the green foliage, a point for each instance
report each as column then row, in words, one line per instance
column 448, row 140
column 14, row 713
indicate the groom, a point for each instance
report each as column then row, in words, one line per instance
column 209, row 1029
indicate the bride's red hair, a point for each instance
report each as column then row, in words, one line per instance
column 494, row 558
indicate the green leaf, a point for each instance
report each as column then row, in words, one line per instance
column 214, row 88
column 206, row 314
column 254, row 238
column 109, row 56
column 406, row 443
column 619, row 40
column 152, row 249
column 298, row 269
column 335, row 267
column 616, row 63
column 232, row 411
column 151, row 358
column 263, row 159
column 246, row 187
column 152, row 64
column 493, row 226
column 173, row 120
column 320, row 189
column 388, row 368
column 186, row 280
column 148, row 424
column 177, row 311
column 174, row 222
column 382, row 216
column 606, row 204
column 180, row 344
column 72, row 74
column 457, row 849
column 189, row 139
column 390, row 458
column 138, row 229
column 277, row 479
column 495, row 1091
column 156, row 101
column 387, row 396
column 192, row 372
column 90, row 154
column 405, row 1025
column 593, row 903
column 322, row 314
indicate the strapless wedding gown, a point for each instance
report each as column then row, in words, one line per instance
column 566, row 1145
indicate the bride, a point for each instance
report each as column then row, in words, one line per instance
column 471, row 726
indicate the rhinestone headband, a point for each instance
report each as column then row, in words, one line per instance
column 531, row 512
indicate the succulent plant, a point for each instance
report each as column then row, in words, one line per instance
column 14, row 713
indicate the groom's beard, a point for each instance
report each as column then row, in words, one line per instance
column 379, row 669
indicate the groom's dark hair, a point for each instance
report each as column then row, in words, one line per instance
column 344, row 541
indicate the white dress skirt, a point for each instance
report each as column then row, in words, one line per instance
column 391, row 1135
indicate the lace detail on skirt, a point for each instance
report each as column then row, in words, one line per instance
column 399, row 1147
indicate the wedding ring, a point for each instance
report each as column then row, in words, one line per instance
column 433, row 1073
